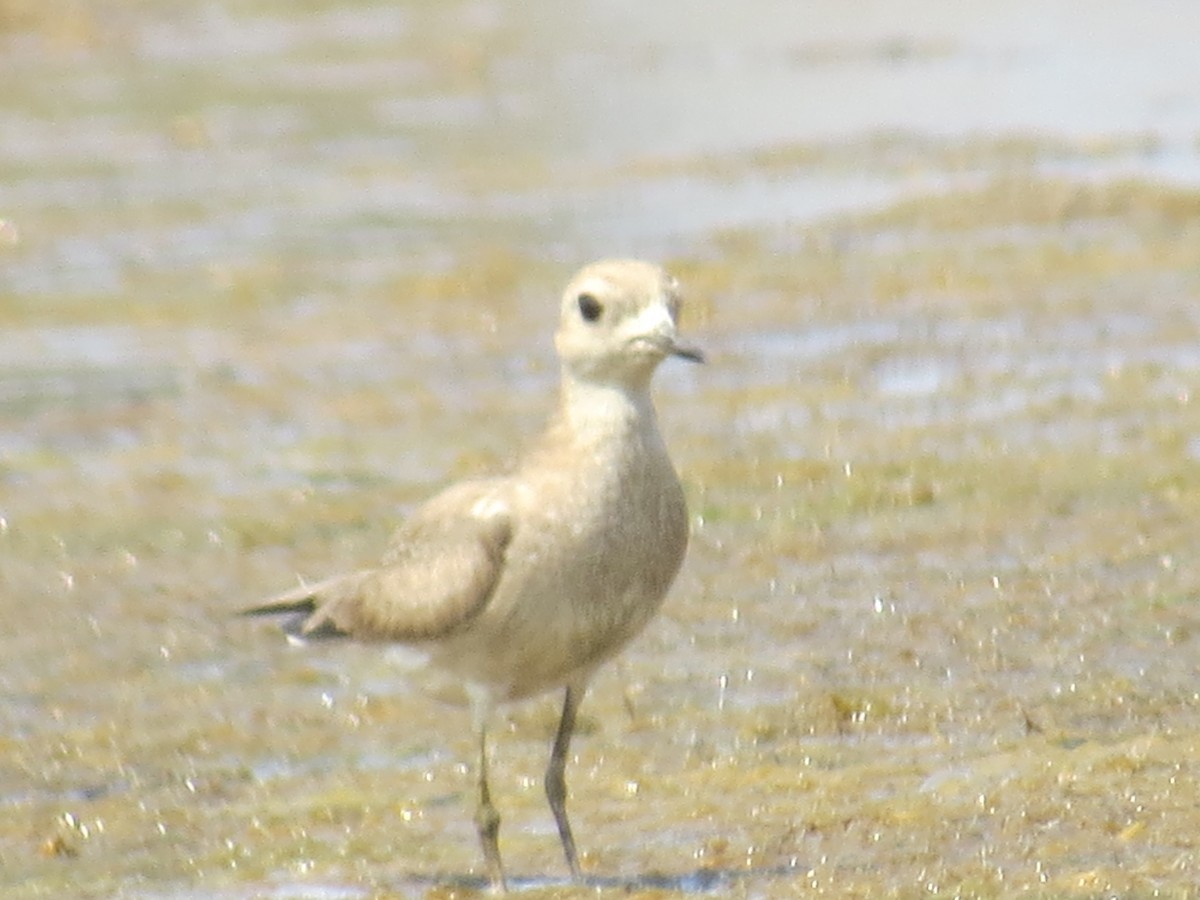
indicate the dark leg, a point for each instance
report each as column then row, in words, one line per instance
column 487, row 820
column 556, row 789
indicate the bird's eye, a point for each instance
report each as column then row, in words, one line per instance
column 589, row 308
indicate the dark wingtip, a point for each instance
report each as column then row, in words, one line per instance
column 297, row 620
column 303, row 629
column 305, row 605
column 293, row 619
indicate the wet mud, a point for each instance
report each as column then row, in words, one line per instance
column 270, row 276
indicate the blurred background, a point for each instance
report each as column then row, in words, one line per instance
column 272, row 272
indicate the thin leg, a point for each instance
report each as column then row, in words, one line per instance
column 556, row 788
column 487, row 820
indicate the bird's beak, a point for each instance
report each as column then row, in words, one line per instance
column 689, row 353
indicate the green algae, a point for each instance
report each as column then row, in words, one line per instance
column 935, row 635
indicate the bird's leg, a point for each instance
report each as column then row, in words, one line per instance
column 487, row 820
column 556, row 789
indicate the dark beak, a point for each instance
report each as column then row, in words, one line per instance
column 689, row 353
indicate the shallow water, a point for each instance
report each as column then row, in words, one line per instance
column 260, row 267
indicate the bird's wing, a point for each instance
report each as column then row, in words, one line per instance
column 441, row 570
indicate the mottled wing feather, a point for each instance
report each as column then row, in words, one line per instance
column 430, row 591
column 440, row 571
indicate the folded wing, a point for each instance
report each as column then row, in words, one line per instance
column 442, row 568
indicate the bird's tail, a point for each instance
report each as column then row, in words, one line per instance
column 307, row 606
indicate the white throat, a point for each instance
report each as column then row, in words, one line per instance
column 600, row 409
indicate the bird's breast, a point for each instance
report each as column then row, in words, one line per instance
column 595, row 549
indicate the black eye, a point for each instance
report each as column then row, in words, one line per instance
column 589, row 307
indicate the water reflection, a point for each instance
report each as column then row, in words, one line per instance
column 698, row 881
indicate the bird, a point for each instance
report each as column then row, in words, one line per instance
column 515, row 585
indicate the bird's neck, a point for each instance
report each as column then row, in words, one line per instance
column 594, row 410
column 603, row 428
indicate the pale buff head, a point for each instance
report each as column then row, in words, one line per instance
column 619, row 320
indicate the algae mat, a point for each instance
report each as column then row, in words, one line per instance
column 270, row 277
